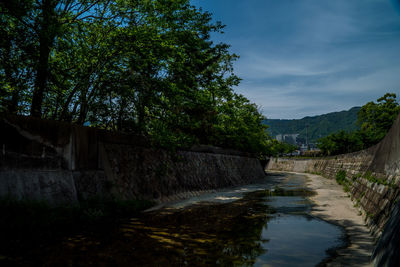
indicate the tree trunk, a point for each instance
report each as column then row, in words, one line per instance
column 46, row 37
column 121, row 113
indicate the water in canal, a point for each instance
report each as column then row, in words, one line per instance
column 267, row 224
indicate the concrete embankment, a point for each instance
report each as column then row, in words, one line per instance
column 64, row 163
column 372, row 177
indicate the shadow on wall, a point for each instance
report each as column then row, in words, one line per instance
column 387, row 249
column 64, row 163
column 372, row 177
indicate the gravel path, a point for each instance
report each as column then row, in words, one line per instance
column 333, row 205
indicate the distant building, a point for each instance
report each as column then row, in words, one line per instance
column 287, row 138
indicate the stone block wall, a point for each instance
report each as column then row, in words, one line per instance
column 372, row 175
column 64, row 163
column 374, row 195
column 158, row 174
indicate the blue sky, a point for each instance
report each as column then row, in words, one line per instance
column 307, row 57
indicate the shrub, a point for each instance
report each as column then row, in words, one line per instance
column 341, row 177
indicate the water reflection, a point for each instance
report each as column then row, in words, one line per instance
column 201, row 235
column 263, row 228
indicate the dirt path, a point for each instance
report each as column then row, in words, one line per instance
column 332, row 204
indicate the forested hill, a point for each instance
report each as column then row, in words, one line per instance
column 319, row 126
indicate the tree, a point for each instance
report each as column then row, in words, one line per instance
column 239, row 125
column 16, row 60
column 374, row 119
column 340, row 143
column 142, row 66
column 43, row 23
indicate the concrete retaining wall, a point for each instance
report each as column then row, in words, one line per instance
column 161, row 175
column 372, row 175
column 63, row 163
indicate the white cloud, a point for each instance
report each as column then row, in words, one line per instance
column 309, row 57
column 254, row 67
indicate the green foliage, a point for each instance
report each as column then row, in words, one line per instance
column 370, row 215
column 318, row 126
column 276, row 148
column 341, row 177
column 140, row 66
column 356, row 176
column 373, row 179
column 238, row 125
column 346, row 188
column 375, row 120
column 340, row 143
column 342, row 180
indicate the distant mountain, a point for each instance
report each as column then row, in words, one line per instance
column 318, row 126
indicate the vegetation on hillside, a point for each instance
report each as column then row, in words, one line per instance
column 374, row 120
column 142, row 66
column 276, row 148
column 318, row 126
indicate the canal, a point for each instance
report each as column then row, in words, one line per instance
column 265, row 224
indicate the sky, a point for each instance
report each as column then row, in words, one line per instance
column 308, row 57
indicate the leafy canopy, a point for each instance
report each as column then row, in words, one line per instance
column 374, row 119
column 142, row 66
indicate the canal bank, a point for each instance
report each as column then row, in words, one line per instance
column 66, row 164
column 334, row 205
column 265, row 224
